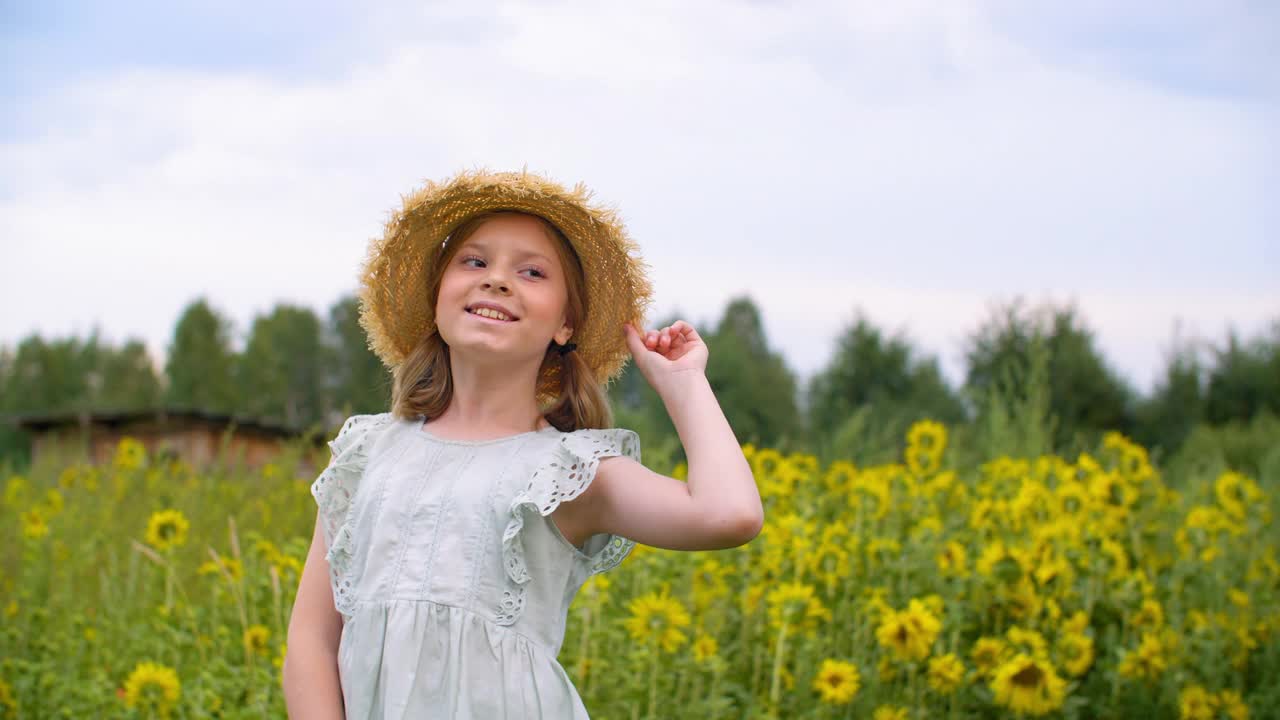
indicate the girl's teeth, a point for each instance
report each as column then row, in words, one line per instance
column 484, row 312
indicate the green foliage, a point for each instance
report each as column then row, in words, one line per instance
column 357, row 380
column 1085, row 395
column 309, row 374
column 866, row 437
column 1245, row 378
column 75, row 375
column 1251, row 446
column 280, row 370
column 1014, row 413
column 1176, row 405
column 874, row 383
column 756, row 390
column 201, row 361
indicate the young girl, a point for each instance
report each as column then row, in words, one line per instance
column 458, row 527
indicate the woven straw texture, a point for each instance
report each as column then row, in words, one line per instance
column 397, row 313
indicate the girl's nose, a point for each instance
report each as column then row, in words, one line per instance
column 497, row 278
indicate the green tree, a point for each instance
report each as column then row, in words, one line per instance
column 279, row 372
column 71, row 375
column 48, row 376
column 1013, row 412
column 200, row 366
column 1177, row 402
column 1085, row 396
column 125, row 379
column 355, row 378
column 875, row 386
column 755, row 388
column 1245, row 378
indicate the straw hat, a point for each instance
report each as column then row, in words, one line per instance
column 397, row 313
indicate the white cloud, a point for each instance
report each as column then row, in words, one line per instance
column 914, row 158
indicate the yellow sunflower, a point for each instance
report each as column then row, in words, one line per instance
column 1148, row 617
column 705, row 647
column 1027, row 641
column 1026, row 684
column 953, row 560
column 1233, row 706
column 131, row 454
column 946, row 673
column 166, row 529
column 795, row 604
column 255, row 639
column 1076, row 652
column 656, row 619
column 152, row 687
column 1004, row 563
column 1148, row 661
column 928, row 435
column 909, row 633
column 987, row 653
column 837, row 681
column 34, row 526
column 890, row 712
column 1196, row 703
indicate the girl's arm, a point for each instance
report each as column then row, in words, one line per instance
column 719, row 507
column 310, row 673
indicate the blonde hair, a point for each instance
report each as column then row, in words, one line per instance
column 422, row 384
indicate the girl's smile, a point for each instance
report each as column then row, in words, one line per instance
column 485, row 318
column 493, row 310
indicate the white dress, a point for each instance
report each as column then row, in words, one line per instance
column 452, row 579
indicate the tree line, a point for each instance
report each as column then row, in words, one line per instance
column 308, row 373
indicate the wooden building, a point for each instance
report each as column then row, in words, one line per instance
column 195, row 436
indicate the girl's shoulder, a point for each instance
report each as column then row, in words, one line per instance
column 565, row 463
column 589, row 444
column 357, row 430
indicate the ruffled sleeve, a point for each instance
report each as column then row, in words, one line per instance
column 564, row 475
column 334, row 490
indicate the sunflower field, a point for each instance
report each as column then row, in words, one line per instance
column 1064, row 587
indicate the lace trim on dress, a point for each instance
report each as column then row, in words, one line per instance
column 564, row 476
column 334, row 490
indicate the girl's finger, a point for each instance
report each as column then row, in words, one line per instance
column 686, row 329
column 635, row 341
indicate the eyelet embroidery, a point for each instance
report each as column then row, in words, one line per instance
column 562, row 478
column 334, row 490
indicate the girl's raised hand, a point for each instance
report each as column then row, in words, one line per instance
column 660, row 354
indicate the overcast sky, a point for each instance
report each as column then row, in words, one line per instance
column 918, row 161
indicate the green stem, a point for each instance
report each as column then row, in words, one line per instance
column 584, row 646
column 775, row 687
column 653, row 684
column 715, row 688
column 168, row 581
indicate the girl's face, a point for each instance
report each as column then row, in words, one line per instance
column 508, row 263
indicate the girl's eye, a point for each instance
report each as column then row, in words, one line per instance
column 473, row 257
